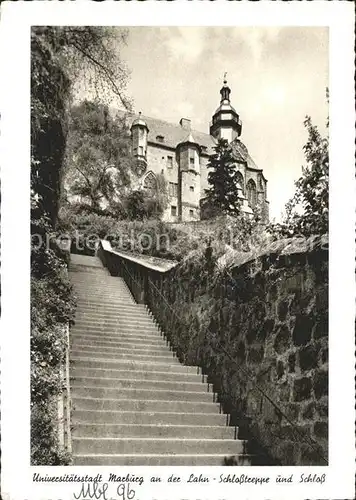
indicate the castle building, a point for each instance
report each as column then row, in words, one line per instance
column 181, row 155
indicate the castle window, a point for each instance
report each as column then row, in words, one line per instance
column 173, row 189
column 240, row 180
column 169, row 161
column 173, row 210
column 191, row 161
column 191, row 213
column 251, row 193
column 160, row 138
column 191, row 188
column 150, row 184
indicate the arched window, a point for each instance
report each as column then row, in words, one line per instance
column 240, row 180
column 150, row 183
column 251, row 193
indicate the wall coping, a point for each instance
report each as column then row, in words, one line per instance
column 153, row 263
column 286, row 246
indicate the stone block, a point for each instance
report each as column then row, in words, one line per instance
column 255, row 355
column 321, row 327
column 284, row 391
column 312, row 455
column 322, row 407
column 324, row 356
column 322, row 298
column 280, row 369
column 283, row 339
column 309, row 411
column 291, row 362
column 321, row 429
column 302, row 302
column 292, row 411
column 266, row 329
column 282, row 309
column 288, row 453
column 308, row 358
column 241, row 351
column 320, row 383
column 302, row 329
column 302, row 389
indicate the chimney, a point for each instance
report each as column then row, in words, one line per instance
column 185, row 123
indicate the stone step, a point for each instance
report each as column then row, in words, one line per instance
column 103, row 308
column 120, row 351
column 78, row 258
column 128, row 383
column 83, row 276
column 125, row 301
column 148, row 417
column 101, row 291
column 79, row 369
column 163, row 446
column 141, row 322
column 117, row 327
column 153, row 431
column 117, row 333
column 90, row 362
column 114, row 317
column 111, row 285
column 122, row 315
column 157, row 406
column 99, row 354
column 156, row 459
column 98, row 341
column 87, row 269
column 150, row 394
column 92, row 338
column 110, row 289
column 118, row 297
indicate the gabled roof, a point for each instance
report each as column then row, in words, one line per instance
column 174, row 134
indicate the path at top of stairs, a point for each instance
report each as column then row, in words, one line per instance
column 133, row 402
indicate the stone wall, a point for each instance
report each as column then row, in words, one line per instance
column 259, row 329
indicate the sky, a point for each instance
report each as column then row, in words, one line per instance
column 277, row 76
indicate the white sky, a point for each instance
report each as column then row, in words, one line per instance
column 277, row 75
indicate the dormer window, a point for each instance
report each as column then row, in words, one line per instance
column 204, row 149
column 160, row 138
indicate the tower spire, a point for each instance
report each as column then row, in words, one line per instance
column 225, row 90
column 226, row 122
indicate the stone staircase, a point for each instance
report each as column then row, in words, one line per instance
column 133, row 402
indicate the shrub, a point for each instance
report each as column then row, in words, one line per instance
column 52, row 308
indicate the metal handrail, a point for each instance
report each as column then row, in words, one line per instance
column 247, row 375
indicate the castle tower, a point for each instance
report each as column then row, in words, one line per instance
column 188, row 159
column 139, row 134
column 226, row 122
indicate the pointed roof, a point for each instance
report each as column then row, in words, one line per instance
column 139, row 121
column 189, row 139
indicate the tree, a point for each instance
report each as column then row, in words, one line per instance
column 223, row 193
column 99, row 161
column 307, row 212
column 61, row 56
column 143, row 204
